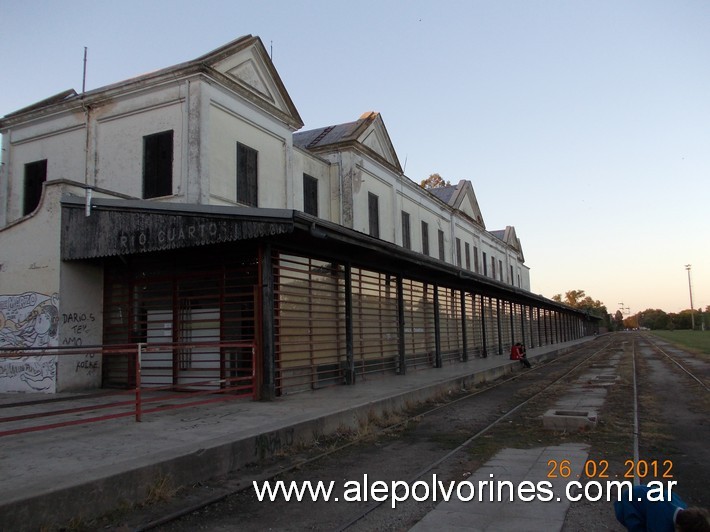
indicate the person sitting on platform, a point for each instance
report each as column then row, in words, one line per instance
column 517, row 352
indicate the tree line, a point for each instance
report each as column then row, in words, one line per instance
column 653, row 319
column 656, row 319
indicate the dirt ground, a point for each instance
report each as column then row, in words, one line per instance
column 674, row 426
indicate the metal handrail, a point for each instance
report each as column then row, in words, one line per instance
column 143, row 396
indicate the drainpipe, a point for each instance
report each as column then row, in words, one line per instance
column 87, row 143
column 5, row 167
column 341, row 180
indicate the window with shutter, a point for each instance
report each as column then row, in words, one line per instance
column 247, row 175
column 373, row 213
column 406, row 233
column 425, row 238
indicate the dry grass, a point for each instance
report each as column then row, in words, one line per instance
column 163, row 489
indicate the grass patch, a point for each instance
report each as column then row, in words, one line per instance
column 698, row 341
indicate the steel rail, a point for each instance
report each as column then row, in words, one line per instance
column 675, row 361
column 637, row 480
column 217, row 498
column 470, row 440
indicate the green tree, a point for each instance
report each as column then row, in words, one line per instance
column 580, row 300
column 682, row 319
column 653, row 319
column 572, row 298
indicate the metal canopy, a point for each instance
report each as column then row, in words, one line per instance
column 126, row 227
column 119, row 227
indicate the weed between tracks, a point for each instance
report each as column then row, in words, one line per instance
column 611, row 439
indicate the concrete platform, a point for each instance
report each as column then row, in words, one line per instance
column 86, row 470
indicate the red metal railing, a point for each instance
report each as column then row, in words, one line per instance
column 155, row 378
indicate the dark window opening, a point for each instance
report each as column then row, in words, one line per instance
column 247, row 189
column 406, row 233
column 485, row 264
column 35, row 176
column 458, row 252
column 158, row 165
column 373, row 210
column 425, row 238
column 442, row 250
column 468, row 256
column 310, row 195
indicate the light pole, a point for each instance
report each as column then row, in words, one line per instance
column 690, row 289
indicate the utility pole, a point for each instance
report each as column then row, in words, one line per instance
column 690, row 289
column 624, row 310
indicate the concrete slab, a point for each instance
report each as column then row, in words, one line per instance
column 569, row 420
column 516, row 466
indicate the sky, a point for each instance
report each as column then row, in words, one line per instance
column 585, row 124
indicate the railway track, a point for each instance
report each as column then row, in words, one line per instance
column 446, row 438
column 671, row 418
column 514, row 393
column 675, row 360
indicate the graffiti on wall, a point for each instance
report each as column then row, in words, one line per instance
column 26, row 321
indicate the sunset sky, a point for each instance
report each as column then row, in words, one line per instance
column 584, row 124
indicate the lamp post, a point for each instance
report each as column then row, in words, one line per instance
column 690, row 289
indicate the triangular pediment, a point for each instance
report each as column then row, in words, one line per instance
column 464, row 200
column 375, row 137
column 367, row 134
column 247, row 67
column 509, row 237
column 248, row 73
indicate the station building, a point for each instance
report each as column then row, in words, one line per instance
column 183, row 211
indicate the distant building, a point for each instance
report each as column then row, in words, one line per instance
column 181, row 209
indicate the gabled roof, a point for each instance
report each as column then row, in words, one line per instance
column 443, row 193
column 510, row 238
column 242, row 65
column 246, row 66
column 462, row 198
column 368, row 133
